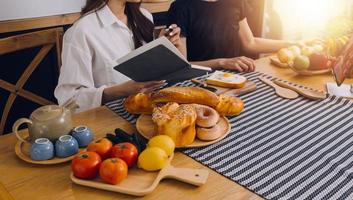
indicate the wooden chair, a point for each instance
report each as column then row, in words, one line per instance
column 48, row 39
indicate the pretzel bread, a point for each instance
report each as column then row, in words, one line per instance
column 176, row 121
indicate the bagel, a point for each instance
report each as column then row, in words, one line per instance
column 209, row 134
column 206, row 116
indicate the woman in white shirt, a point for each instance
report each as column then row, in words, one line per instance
column 108, row 30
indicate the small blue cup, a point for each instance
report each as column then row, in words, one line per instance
column 83, row 135
column 66, row 146
column 42, row 149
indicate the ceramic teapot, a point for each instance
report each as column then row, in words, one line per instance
column 51, row 121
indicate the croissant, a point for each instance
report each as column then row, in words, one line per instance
column 140, row 103
column 176, row 121
column 186, row 95
column 229, row 106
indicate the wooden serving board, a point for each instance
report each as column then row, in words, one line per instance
column 145, row 127
column 22, row 150
column 249, row 87
column 140, row 182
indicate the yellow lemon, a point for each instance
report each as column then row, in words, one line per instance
column 285, row 55
column 152, row 159
column 164, row 142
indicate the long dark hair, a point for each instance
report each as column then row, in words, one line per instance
column 140, row 25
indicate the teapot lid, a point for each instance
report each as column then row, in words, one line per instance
column 46, row 113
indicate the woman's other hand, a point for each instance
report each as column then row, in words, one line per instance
column 149, row 86
column 173, row 34
column 133, row 87
column 129, row 88
column 241, row 64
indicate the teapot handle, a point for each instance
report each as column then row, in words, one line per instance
column 17, row 124
column 71, row 105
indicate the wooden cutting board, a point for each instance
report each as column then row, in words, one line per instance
column 140, row 182
column 249, row 87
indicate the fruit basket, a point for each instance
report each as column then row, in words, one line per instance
column 309, row 72
column 316, row 59
column 320, row 55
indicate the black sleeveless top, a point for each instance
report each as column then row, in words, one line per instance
column 211, row 28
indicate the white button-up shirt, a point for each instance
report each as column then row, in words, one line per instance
column 90, row 50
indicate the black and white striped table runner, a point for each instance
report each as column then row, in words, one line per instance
column 283, row 149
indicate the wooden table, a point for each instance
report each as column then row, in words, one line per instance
column 20, row 180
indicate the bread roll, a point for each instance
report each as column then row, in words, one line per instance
column 176, row 121
column 186, row 95
column 140, row 103
column 229, row 106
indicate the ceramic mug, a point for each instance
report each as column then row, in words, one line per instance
column 66, row 146
column 83, row 135
column 42, row 149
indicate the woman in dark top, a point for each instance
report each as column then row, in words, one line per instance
column 215, row 30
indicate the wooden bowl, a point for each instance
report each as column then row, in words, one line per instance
column 309, row 72
column 275, row 61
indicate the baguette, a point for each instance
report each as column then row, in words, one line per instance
column 186, row 95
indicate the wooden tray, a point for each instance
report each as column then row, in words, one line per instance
column 274, row 60
column 22, row 150
column 145, row 127
column 140, row 182
column 249, row 87
column 310, row 72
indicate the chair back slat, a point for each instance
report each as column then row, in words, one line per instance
column 29, row 40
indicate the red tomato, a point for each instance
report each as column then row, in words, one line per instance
column 86, row 165
column 126, row 151
column 113, row 170
column 102, row 147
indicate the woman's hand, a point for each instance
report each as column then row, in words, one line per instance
column 129, row 88
column 241, row 64
column 173, row 34
column 136, row 87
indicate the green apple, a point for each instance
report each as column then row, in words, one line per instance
column 301, row 63
column 295, row 50
column 307, row 51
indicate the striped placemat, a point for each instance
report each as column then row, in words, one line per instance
column 283, row 149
